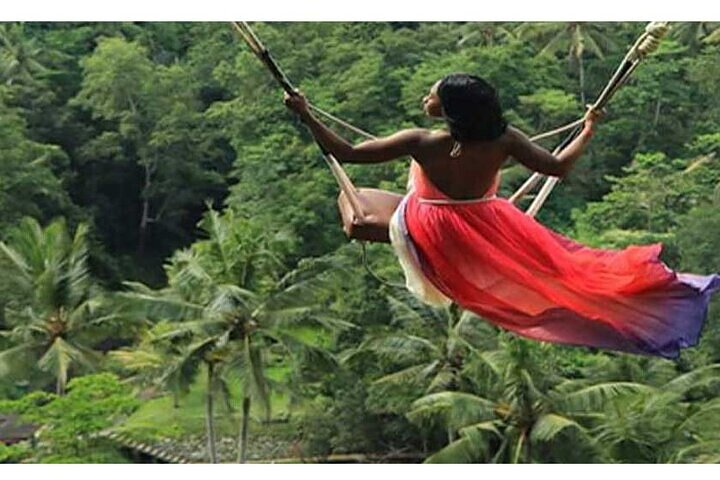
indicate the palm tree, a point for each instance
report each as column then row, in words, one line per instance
column 156, row 361
column 222, row 296
column 574, row 38
column 517, row 403
column 56, row 312
column 694, row 34
column 173, row 358
column 483, row 33
column 19, row 55
column 426, row 349
column 672, row 422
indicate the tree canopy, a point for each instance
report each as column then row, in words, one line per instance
column 174, row 271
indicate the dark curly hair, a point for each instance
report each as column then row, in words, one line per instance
column 471, row 108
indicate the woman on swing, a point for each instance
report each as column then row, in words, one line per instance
column 458, row 242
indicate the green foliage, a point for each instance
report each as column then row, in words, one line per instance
column 56, row 314
column 649, row 201
column 231, row 312
column 548, row 108
column 30, row 184
column 20, row 56
column 152, row 140
column 70, row 423
column 14, row 453
column 137, row 133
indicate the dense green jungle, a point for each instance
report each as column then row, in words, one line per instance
column 176, row 285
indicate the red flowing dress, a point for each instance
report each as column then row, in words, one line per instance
column 489, row 257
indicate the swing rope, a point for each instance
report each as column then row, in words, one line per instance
column 375, row 276
column 343, row 181
column 643, row 46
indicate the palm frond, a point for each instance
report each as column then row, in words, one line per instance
column 186, row 329
column 496, row 360
column 402, row 348
column 443, row 380
column 550, row 425
column 187, row 362
column 255, row 382
column 458, row 409
column 231, row 298
column 417, row 374
column 162, row 304
column 713, row 36
column 462, row 450
column 11, row 357
column 700, row 376
column 331, row 322
column 138, row 359
column 406, row 310
column 59, row 357
column 222, row 385
column 555, row 44
column 595, row 396
column 700, row 452
column 593, row 46
column 21, row 272
column 303, row 350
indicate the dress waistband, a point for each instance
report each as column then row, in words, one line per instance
column 452, row 201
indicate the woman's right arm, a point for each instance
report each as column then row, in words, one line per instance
column 540, row 160
column 400, row 144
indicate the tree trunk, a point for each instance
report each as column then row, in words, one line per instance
column 243, row 436
column 145, row 218
column 582, row 80
column 210, row 422
column 528, row 450
column 60, row 380
column 656, row 119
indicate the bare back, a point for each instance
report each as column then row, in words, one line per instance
column 467, row 176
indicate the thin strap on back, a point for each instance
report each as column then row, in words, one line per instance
column 452, row 201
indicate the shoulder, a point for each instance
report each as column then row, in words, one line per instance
column 513, row 139
column 412, row 137
column 512, row 135
column 415, row 133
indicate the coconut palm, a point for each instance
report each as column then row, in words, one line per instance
column 19, row 55
column 517, row 404
column 223, row 297
column 573, row 38
column 483, row 33
column 426, row 348
column 155, row 361
column 56, row 314
column 670, row 423
column 694, row 34
column 173, row 358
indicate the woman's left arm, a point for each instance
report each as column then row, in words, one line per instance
column 404, row 142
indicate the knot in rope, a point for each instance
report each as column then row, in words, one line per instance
column 654, row 32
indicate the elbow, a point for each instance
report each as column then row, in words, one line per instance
column 553, row 169
column 561, row 169
column 561, row 166
column 349, row 155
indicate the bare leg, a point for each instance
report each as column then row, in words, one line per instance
column 378, row 205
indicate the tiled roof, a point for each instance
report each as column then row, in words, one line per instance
column 11, row 430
